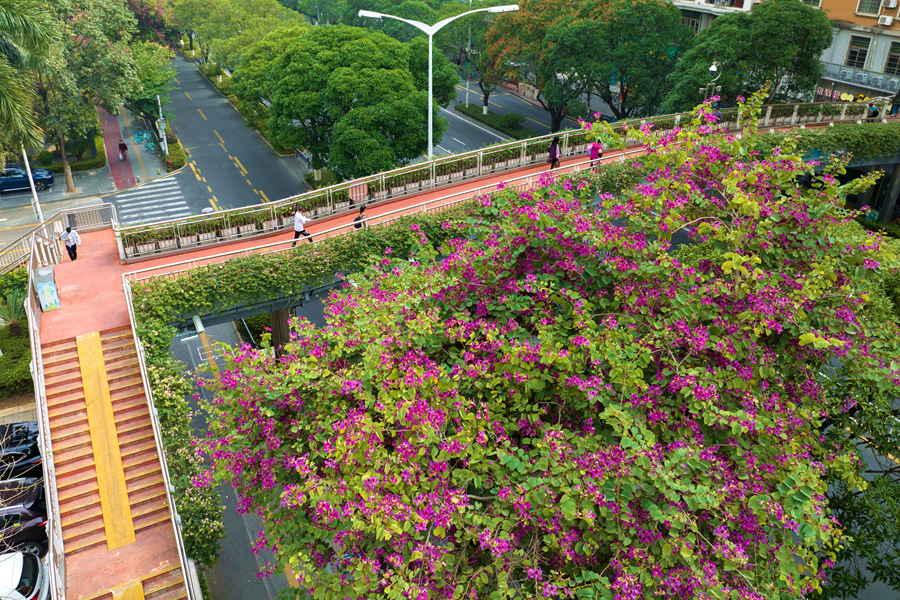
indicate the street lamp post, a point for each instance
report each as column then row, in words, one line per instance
column 430, row 30
column 711, row 88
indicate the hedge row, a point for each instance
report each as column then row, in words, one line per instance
column 88, row 164
column 15, row 374
column 496, row 121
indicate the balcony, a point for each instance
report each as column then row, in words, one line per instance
column 716, row 7
column 889, row 84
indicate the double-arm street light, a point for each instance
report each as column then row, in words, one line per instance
column 430, row 30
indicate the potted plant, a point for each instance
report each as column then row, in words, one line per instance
column 138, row 243
column 166, row 239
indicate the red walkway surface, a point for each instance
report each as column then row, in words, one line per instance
column 90, row 288
column 120, row 170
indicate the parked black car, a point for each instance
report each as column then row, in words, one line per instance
column 19, row 451
column 15, row 177
column 23, row 516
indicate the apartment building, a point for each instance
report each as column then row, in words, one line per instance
column 864, row 57
column 698, row 14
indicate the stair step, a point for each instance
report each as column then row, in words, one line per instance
column 70, row 441
column 131, row 401
column 76, row 479
column 74, row 465
column 137, row 486
column 67, row 372
column 66, row 400
column 127, row 438
column 77, row 494
column 168, row 585
column 153, row 516
column 82, row 514
column 84, row 542
column 142, row 470
column 148, row 494
column 62, row 409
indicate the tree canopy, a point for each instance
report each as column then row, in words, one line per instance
column 564, row 404
column 351, row 97
column 25, row 35
column 778, row 41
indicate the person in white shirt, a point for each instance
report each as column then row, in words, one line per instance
column 72, row 241
column 300, row 222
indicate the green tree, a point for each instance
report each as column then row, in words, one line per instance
column 25, row 35
column 624, row 51
column 561, row 408
column 91, row 65
column 526, row 38
column 778, row 41
column 334, row 71
column 254, row 78
column 155, row 72
column 466, row 39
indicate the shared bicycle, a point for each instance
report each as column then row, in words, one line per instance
column 142, row 136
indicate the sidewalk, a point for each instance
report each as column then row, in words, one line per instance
column 16, row 212
column 141, row 164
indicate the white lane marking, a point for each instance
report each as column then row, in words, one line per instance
column 458, row 141
column 139, row 199
column 180, row 206
column 467, row 121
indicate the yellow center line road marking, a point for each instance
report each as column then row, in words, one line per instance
column 175, row 79
column 238, row 161
column 538, row 122
column 256, row 191
column 248, row 182
column 494, row 103
column 202, row 115
column 219, row 136
column 204, row 180
column 223, row 147
column 213, row 204
column 194, row 169
column 189, row 96
column 210, row 189
column 114, row 502
column 263, row 194
column 19, row 226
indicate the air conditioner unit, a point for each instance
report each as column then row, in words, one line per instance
column 890, row 4
column 885, row 20
column 893, row 85
column 861, row 77
column 846, row 74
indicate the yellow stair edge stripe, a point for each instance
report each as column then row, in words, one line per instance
column 107, row 457
column 130, row 591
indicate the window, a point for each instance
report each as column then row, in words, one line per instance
column 691, row 19
column 892, row 66
column 815, row 3
column 856, row 54
column 869, row 7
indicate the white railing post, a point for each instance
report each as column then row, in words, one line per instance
column 768, row 116
column 844, row 111
column 480, row 155
column 794, row 116
column 740, row 115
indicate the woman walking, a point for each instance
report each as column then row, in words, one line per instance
column 596, row 153
column 123, row 150
column 553, row 153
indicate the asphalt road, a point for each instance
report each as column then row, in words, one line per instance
column 229, row 164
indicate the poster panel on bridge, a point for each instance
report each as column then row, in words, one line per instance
column 45, row 287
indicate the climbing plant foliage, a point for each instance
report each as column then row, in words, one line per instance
column 553, row 405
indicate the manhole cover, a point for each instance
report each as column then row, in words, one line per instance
column 208, row 209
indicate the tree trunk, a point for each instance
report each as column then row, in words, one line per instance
column 191, row 38
column 67, row 170
column 890, row 198
column 556, row 119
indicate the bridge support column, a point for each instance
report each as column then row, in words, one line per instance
column 863, row 200
column 281, row 332
column 890, row 199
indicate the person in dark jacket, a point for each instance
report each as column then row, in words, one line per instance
column 895, row 104
column 553, row 153
column 358, row 221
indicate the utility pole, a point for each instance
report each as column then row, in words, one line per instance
column 162, row 128
column 34, row 197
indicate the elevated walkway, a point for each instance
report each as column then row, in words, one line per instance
column 114, row 531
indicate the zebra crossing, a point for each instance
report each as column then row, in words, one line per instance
column 160, row 200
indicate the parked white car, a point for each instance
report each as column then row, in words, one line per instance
column 23, row 577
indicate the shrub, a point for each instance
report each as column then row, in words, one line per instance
column 176, row 158
column 44, row 158
column 494, row 120
column 328, row 179
column 511, row 120
column 15, row 374
column 88, row 164
column 257, row 324
column 12, row 281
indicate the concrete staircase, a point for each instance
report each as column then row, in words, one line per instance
column 82, row 520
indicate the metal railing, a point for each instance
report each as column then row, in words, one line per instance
column 524, row 183
column 45, row 236
column 141, row 241
column 55, row 549
column 187, row 569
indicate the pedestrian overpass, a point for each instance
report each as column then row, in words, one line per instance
column 113, row 528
